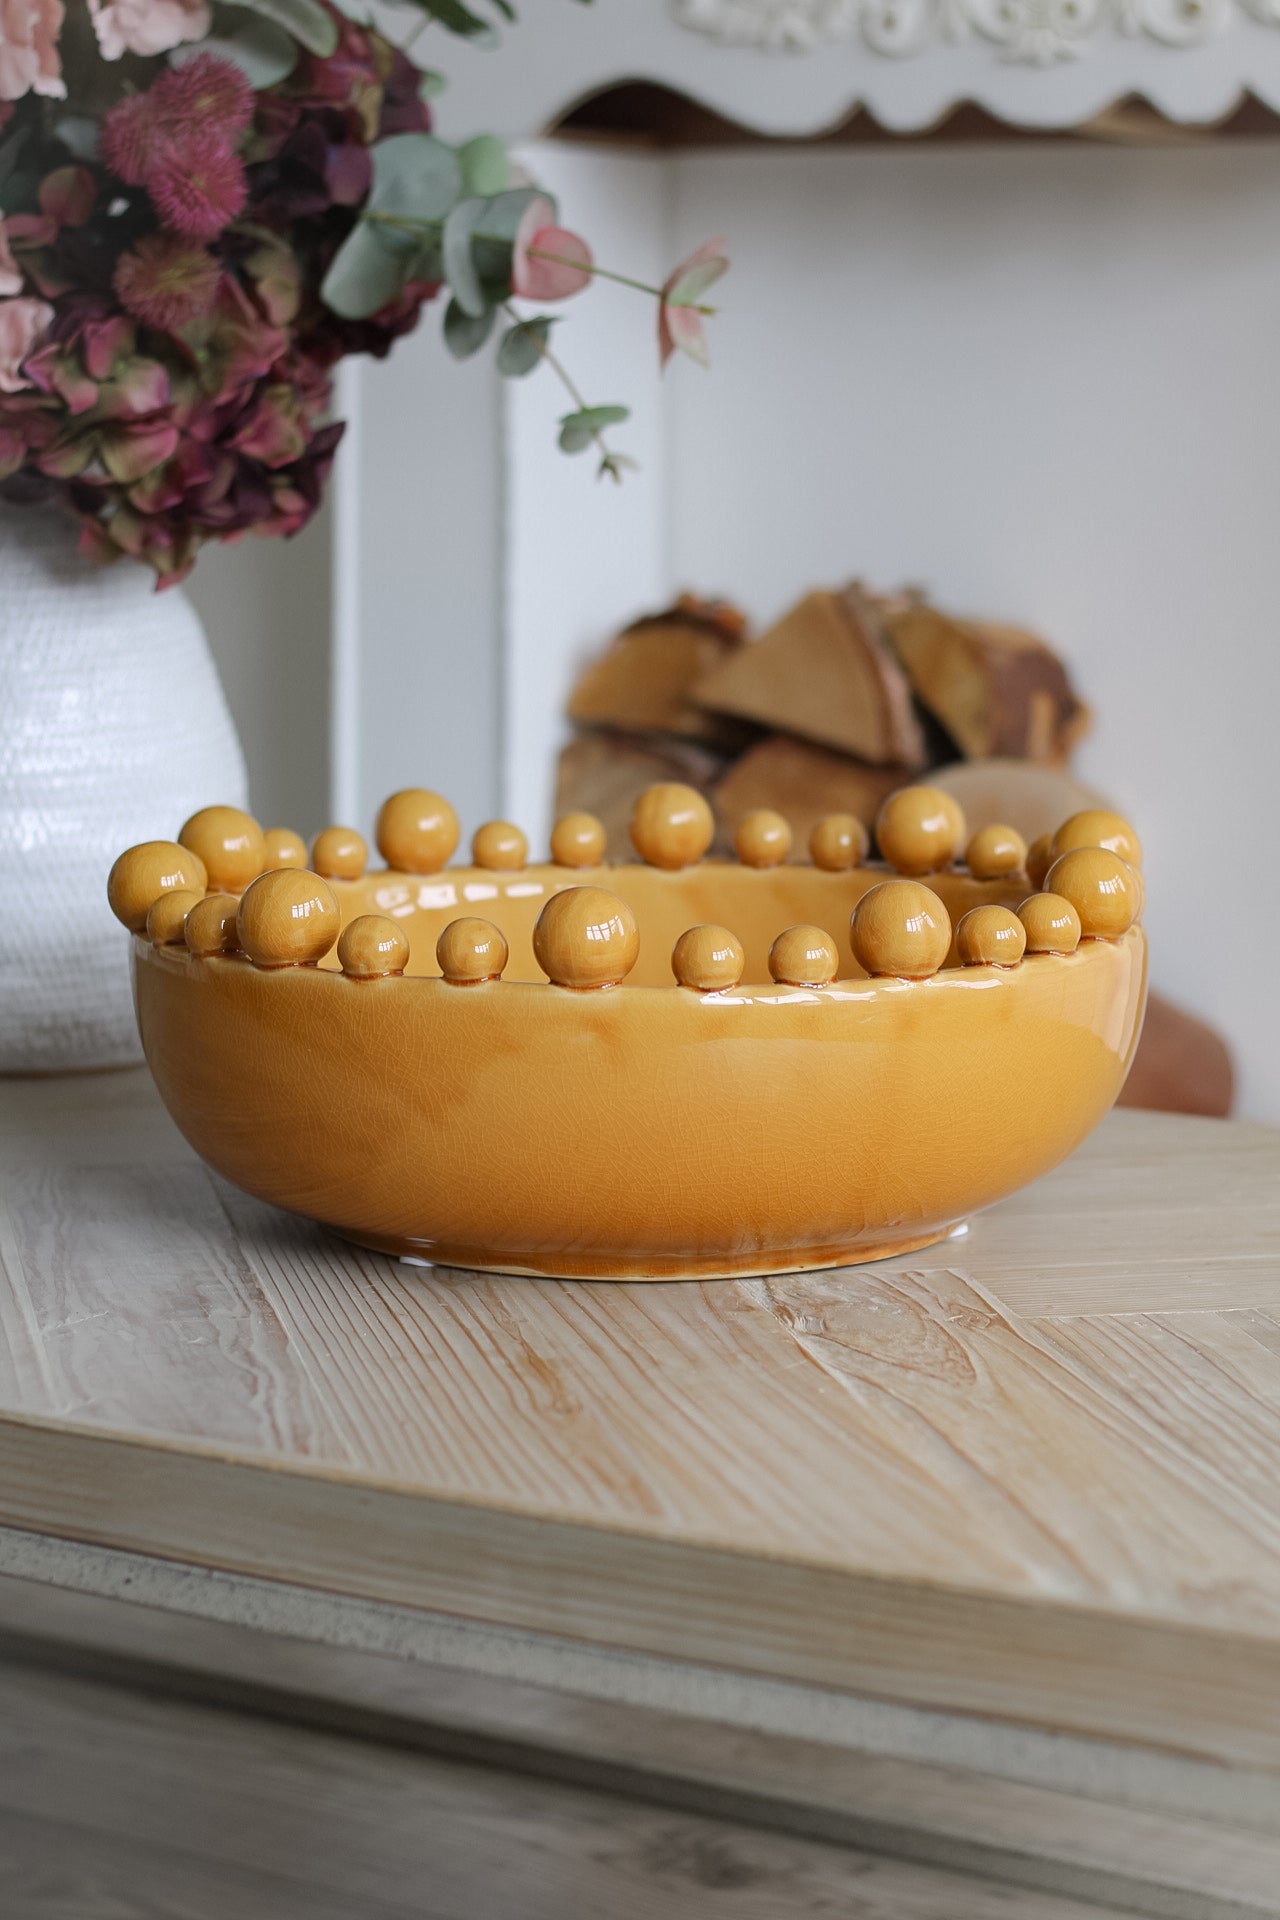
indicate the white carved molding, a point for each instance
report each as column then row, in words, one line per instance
column 1031, row 32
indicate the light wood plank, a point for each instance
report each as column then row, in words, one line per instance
column 382, row 1828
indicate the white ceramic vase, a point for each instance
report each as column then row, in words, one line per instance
column 113, row 729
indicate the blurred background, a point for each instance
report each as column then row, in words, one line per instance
column 1028, row 369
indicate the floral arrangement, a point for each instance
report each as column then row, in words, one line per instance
column 202, row 209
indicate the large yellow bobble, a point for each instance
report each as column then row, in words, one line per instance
column 990, row 937
column 288, row 919
column 1101, row 887
column 143, row 873
column 586, row 937
column 671, row 826
column 417, row 831
column 920, row 830
column 708, row 959
column 1099, row 827
column 902, row 929
column 231, row 844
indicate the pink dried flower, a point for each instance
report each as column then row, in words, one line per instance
column 680, row 312
column 534, row 275
column 203, row 95
column 147, row 27
column 129, row 138
column 197, row 189
column 10, row 272
column 23, row 323
column 164, row 282
column 29, row 60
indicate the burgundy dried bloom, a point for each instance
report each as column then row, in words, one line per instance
column 128, row 138
column 166, row 283
column 199, row 188
column 204, row 95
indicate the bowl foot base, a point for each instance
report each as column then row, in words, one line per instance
column 622, row 1266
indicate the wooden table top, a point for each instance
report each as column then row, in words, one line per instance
column 1032, row 1474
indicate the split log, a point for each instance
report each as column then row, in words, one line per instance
column 642, row 682
column 996, row 690
column 827, row 673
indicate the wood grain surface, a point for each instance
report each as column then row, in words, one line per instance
column 1033, row 1473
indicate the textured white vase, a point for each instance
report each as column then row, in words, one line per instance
column 113, row 729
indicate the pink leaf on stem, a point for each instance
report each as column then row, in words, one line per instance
column 533, row 275
column 22, row 324
column 10, row 272
column 679, row 320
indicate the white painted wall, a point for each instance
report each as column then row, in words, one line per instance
column 1042, row 382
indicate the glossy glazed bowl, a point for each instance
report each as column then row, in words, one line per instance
column 429, row 1093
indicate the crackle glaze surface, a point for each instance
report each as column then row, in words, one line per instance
column 478, row 1067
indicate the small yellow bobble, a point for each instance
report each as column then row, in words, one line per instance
column 990, row 937
column 339, row 853
column 212, row 925
column 1101, row 887
column 471, row 950
column 1099, row 827
column 708, row 959
column 1052, row 924
column 920, row 830
column 586, row 937
column 288, row 919
column 284, row 848
column 499, row 846
column 804, row 957
column 372, row 946
column 578, row 840
column 902, row 929
column 996, row 851
column 671, row 826
column 763, row 839
column 231, row 844
column 838, row 843
column 1039, row 859
column 417, row 831
column 166, row 921
column 143, row 873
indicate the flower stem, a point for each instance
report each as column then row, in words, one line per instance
column 607, row 273
column 569, row 384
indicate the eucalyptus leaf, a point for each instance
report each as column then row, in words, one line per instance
column 692, row 284
column 592, row 419
column 459, row 267
column 521, row 347
column 495, row 234
column 575, row 439
column 79, row 133
column 357, row 10
column 306, row 20
column 486, row 167
column 431, row 84
column 365, row 275
column 264, row 52
column 415, row 176
column 458, row 18
column 466, row 333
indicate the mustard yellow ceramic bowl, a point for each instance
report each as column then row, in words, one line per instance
column 677, row 1067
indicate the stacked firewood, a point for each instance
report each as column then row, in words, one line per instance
column 848, row 696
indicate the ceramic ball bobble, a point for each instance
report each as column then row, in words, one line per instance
column 578, row 840
column 288, row 919
column 339, row 853
column 996, row 851
column 1103, row 889
column 586, row 938
column 900, row 930
column 284, row 848
column 499, row 846
column 231, row 844
column 708, row 959
column 804, row 957
column 838, row 843
column 143, row 873
column 671, row 826
column 417, row 831
column 1051, row 923
column 920, row 830
column 471, row 951
column 990, row 937
column 167, row 919
column 763, row 839
column 373, row 947
column 1099, row 827
column 212, row 925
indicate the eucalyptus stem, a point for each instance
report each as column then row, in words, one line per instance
column 570, row 386
column 607, row 273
